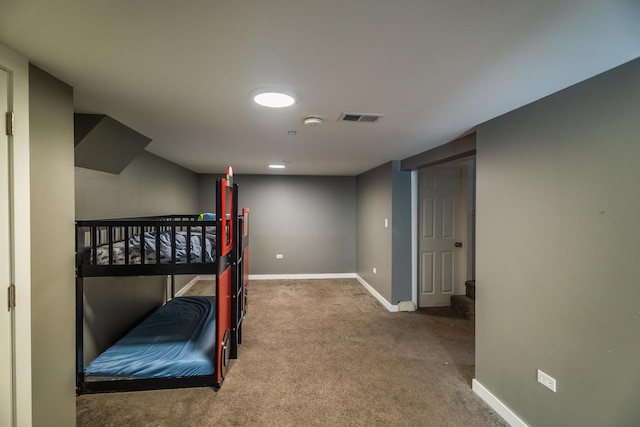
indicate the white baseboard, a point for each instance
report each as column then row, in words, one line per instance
column 392, row 308
column 497, row 405
column 302, row 276
column 372, row 291
column 193, row 281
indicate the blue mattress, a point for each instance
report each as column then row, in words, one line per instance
column 176, row 340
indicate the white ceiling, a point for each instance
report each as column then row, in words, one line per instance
column 180, row 72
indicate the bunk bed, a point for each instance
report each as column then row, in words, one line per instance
column 189, row 340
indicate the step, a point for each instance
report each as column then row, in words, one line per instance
column 464, row 305
column 470, row 286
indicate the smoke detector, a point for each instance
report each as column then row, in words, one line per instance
column 313, row 120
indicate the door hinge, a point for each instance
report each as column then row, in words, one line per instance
column 12, row 296
column 10, row 117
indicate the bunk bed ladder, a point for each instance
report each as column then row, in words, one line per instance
column 225, row 205
column 240, row 270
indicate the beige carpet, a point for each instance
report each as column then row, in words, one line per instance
column 322, row 353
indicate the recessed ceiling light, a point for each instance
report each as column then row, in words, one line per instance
column 273, row 166
column 273, row 98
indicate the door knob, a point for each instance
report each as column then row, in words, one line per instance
column 458, row 244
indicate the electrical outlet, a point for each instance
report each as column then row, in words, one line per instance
column 547, row 380
column 374, row 270
column 279, row 256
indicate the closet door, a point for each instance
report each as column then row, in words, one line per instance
column 6, row 341
column 442, row 228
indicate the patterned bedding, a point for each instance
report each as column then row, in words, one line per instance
column 151, row 256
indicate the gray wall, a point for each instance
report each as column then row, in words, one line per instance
column 308, row 219
column 557, row 254
column 385, row 193
column 149, row 185
column 52, row 250
column 401, row 268
column 374, row 240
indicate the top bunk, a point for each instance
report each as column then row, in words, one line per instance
column 160, row 245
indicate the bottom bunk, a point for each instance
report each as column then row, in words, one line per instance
column 174, row 347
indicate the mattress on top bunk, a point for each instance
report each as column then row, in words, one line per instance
column 176, row 340
column 119, row 249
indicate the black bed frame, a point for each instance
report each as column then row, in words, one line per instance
column 121, row 229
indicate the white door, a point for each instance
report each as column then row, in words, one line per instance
column 441, row 227
column 6, row 342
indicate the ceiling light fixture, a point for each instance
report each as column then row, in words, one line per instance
column 273, row 98
column 273, row 166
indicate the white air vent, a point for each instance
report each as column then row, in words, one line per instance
column 360, row 117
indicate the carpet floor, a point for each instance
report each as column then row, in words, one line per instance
column 322, row 353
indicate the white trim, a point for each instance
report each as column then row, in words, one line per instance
column 193, row 281
column 302, row 276
column 392, row 308
column 18, row 67
column 414, row 237
column 497, row 405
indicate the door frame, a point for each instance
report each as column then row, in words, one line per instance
column 7, row 324
column 20, row 244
